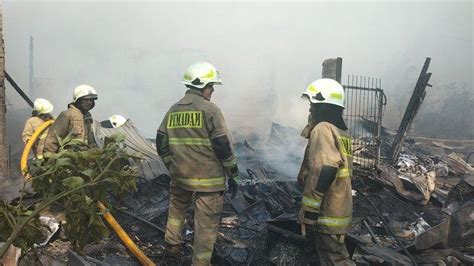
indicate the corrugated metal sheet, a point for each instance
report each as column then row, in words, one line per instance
column 151, row 165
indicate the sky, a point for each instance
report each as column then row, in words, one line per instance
column 135, row 54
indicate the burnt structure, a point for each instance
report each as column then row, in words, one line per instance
column 413, row 107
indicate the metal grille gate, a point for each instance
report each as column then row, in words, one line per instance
column 364, row 103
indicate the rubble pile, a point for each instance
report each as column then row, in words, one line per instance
column 420, row 209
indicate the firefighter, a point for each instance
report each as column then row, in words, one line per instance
column 326, row 207
column 76, row 120
column 114, row 121
column 42, row 109
column 194, row 143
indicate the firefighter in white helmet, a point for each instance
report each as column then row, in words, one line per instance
column 326, row 171
column 76, row 120
column 117, row 121
column 42, row 109
column 194, row 143
column 114, row 121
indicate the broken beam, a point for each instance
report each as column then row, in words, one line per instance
column 387, row 226
column 140, row 219
column 18, row 89
column 285, row 233
column 371, row 232
column 412, row 109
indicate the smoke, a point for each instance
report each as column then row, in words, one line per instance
column 134, row 54
column 451, row 118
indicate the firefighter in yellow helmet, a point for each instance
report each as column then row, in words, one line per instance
column 42, row 109
column 326, row 206
column 194, row 143
column 76, row 120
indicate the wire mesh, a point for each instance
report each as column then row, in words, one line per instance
column 363, row 114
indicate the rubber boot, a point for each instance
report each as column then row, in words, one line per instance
column 171, row 254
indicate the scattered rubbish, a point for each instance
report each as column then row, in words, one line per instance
column 53, row 228
column 11, row 257
column 400, row 213
column 413, row 203
column 457, row 165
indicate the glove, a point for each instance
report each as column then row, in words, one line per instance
column 233, row 186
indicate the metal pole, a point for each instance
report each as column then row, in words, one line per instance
column 31, row 72
column 18, row 89
column 379, row 123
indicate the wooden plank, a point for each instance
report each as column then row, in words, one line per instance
column 332, row 68
column 412, row 109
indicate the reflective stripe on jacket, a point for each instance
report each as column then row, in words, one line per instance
column 188, row 127
column 331, row 146
column 31, row 125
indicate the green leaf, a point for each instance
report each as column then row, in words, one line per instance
column 87, row 172
column 106, row 170
column 73, row 182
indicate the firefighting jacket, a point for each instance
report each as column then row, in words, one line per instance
column 194, row 144
column 31, row 125
column 71, row 121
column 327, row 171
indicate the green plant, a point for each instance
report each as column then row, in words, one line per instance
column 74, row 179
column 10, row 218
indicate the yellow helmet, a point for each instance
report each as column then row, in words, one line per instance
column 200, row 74
column 325, row 91
column 84, row 91
column 42, row 106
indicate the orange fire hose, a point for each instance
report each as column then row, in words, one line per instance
column 127, row 241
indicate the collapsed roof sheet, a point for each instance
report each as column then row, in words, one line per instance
column 152, row 166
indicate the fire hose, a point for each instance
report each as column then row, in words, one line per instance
column 29, row 145
column 126, row 240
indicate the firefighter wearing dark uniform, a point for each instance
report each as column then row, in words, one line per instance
column 193, row 141
column 326, row 172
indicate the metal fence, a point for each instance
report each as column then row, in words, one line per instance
column 365, row 103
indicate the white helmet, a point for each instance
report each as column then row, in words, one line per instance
column 117, row 120
column 200, row 74
column 325, row 91
column 84, row 91
column 42, row 106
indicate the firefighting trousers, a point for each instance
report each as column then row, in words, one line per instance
column 331, row 250
column 207, row 214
